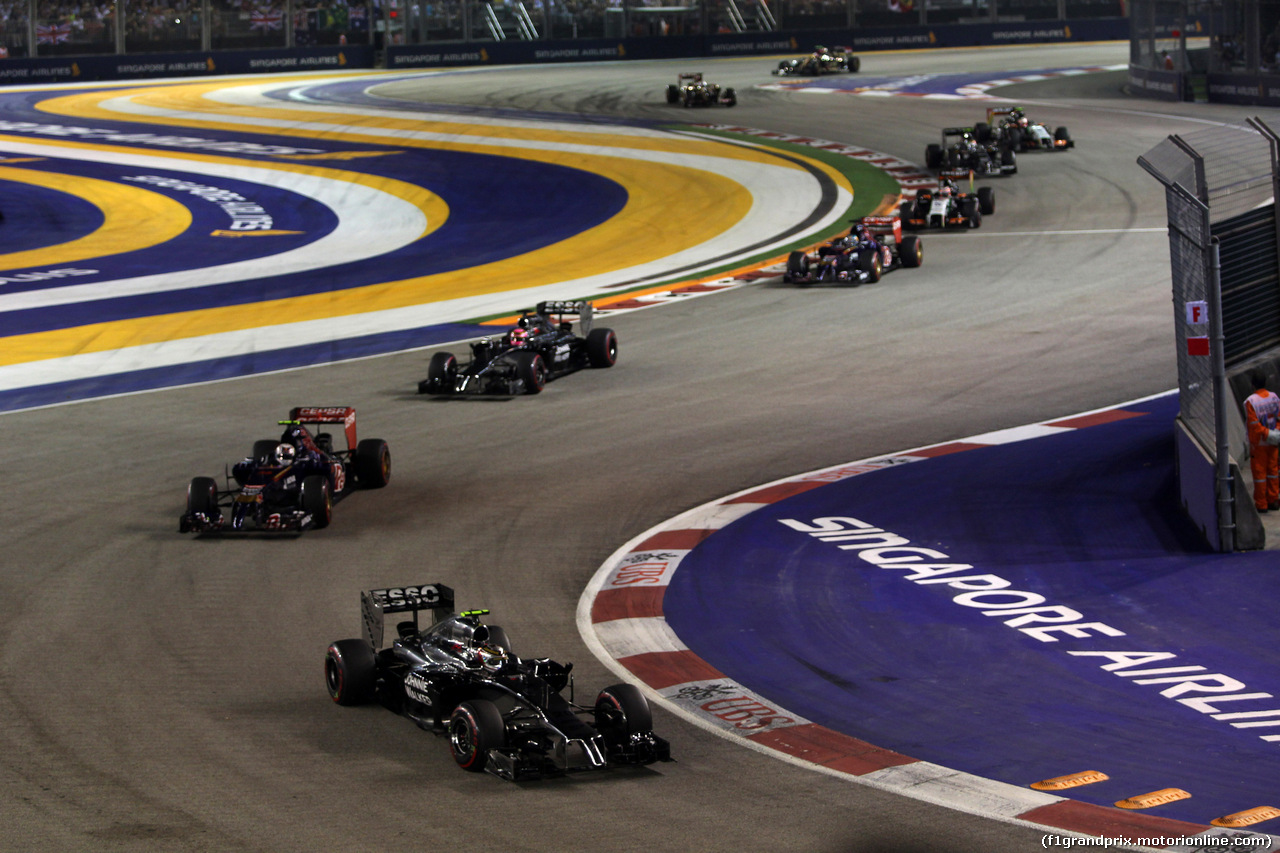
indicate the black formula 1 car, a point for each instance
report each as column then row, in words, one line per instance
column 502, row 713
column 873, row 247
column 947, row 207
column 1009, row 127
column 290, row 484
column 822, row 61
column 541, row 347
column 960, row 151
column 691, row 90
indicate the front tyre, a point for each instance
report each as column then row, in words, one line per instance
column 442, row 373
column 316, row 499
column 373, row 463
column 350, row 672
column 602, row 348
column 622, row 711
column 202, row 497
column 475, row 727
column 531, row 370
column 911, row 251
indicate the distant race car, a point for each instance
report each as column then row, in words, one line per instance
column 290, row 484
column 1009, row 127
column 541, row 347
column 873, row 247
column 822, row 61
column 691, row 90
column 947, row 207
column 961, row 150
column 502, row 713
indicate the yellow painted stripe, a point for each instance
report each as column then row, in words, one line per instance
column 134, row 218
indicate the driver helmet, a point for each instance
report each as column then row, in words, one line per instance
column 519, row 336
column 492, row 658
column 945, row 189
column 859, row 233
column 286, row 453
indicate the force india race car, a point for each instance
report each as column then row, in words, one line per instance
column 502, row 713
column 290, row 484
column 873, row 247
column 947, row 207
column 541, row 347
column 822, row 61
column 1010, row 128
column 968, row 155
column 691, row 90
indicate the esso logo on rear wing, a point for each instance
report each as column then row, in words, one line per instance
column 584, row 310
column 375, row 603
column 884, row 225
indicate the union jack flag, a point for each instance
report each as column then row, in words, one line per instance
column 52, row 33
column 356, row 18
column 265, row 19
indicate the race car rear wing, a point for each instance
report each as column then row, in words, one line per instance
column 884, row 226
column 344, row 415
column 584, row 310
column 954, row 131
column 994, row 113
column 377, row 603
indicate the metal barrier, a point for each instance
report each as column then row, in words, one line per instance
column 1225, row 266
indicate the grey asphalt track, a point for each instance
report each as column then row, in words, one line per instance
column 164, row 693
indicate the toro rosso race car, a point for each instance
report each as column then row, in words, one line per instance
column 947, row 207
column 501, row 713
column 961, row 152
column 822, row 61
column 1010, row 128
column 691, row 90
column 873, row 247
column 290, row 484
column 541, row 347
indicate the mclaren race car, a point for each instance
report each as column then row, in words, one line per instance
column 541, row 347
column 961, row 151
column 501, row 713
column 822, row 61
column 290, row 484
column 1010, row 128
column 947, row 207
column 873, row 247
column 690, row 90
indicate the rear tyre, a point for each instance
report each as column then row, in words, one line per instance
column 317, row 500
column 602, row 348
column 441, row 373
column 350, row 672
column 911, row 251
column 202, row 497
column 373, row 463
column 475, row 727
column 986, row 200
column 982, row 132
column 621, row 711
column 532, row 371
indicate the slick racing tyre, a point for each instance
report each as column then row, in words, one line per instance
column 475, row 727
column 373, row 463
column 933, row 156
column 532, row 371
column 982, row 132
column 855, row 64
column 986, row 200
column 202, row 497
column 1060, row 136
column 621, row 711
column 441, row 373
column 872, row 265
column 317, row 500
column 797, row 266
column 602, row 348
column 911, row 251
column 729, row 98
column 350, row 672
